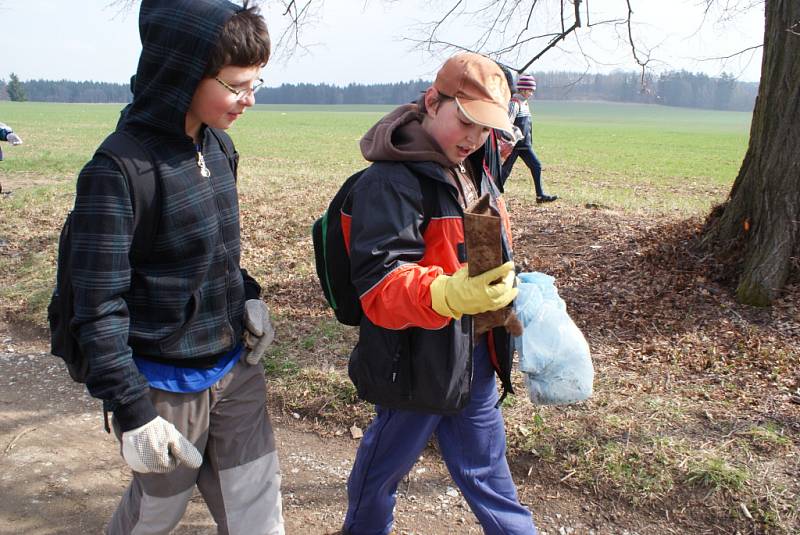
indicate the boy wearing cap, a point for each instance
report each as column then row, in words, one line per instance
column 520, row 113
column 174, row 337
column 416, row 358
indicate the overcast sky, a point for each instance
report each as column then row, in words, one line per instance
column 361, row 41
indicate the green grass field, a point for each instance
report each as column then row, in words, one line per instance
column 629, row 156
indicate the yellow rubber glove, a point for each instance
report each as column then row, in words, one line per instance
column 458, row 294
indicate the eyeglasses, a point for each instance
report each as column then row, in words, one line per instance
column 241, row 93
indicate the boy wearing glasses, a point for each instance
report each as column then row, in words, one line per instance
column 175, row 337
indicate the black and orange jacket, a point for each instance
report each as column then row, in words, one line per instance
column 408, row 356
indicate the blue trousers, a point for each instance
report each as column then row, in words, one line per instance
column 473, row 445
column 530, row 159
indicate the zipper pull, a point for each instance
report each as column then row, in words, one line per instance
column 201, row 162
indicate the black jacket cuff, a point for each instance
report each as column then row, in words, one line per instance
column 135, row 414
column 252, row 290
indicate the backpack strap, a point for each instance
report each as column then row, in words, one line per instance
column 139, row 170
column 429, row 198
column 137, row 165
column 226, row 143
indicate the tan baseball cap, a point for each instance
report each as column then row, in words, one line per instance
column 479, row 87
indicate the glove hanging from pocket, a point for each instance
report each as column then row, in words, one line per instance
column 483, row 239
column 258, row 331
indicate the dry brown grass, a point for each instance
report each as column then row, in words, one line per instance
column 695, row 414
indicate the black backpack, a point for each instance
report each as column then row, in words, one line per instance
column 139, row 170
column 333, row 259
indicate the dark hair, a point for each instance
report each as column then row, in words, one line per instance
column 509, row 76
column 437, row 99
column 243, row 41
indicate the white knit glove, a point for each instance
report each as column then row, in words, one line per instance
column 157, row 447
column 14, row 139
column 258, row 331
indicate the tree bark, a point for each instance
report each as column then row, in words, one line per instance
column 760, row 222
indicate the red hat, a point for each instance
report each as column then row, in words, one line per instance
column 479, row 88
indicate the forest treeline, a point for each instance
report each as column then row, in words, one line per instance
column 66, row 91
column 674, row 88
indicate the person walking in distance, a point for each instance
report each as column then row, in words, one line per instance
column 519, row 112
column 7, row 134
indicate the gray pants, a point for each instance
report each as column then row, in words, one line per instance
column 239, row 478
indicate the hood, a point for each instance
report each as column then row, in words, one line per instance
column 399, row 136
column 177, row 38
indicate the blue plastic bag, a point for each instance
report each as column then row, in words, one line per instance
column 553, row 353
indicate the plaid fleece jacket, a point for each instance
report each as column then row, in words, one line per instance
column 185, row 301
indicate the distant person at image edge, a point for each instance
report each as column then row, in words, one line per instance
column 175, row 341
column 415, row 357
column 7, row 134
column 520, row 113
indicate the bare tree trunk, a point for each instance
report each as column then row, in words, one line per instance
column 760, row 224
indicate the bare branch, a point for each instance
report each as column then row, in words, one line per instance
column 123, row 4
column 609, row 21
column 300, row 15
column 748, row 49
column 430, row 43
column 512, row 28
column 527, row 23
column 446, row 16
column 630, row 35
column 289, row 7
column 564, row 33
column 641, row 63
column 568, row 87
column 512, row 46
column 734, row 8
column 491, row 28
column 587, row 56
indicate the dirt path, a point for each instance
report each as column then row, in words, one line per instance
column 61, row 473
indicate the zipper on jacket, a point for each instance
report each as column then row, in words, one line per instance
column 472, row 352
column 206, row 172
column 453, row 189
column 201, row 162
column 396, row 365
column 403, row 352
